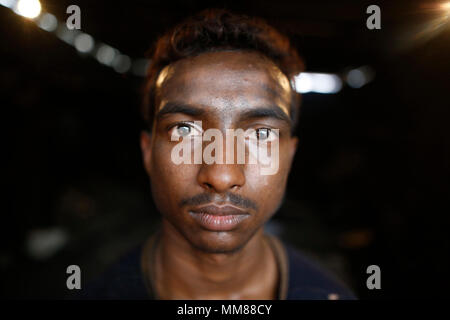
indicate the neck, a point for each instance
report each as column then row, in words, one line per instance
column 185, row 272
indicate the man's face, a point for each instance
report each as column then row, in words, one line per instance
column 218, row 207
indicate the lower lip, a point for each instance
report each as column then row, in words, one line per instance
column 218, row 223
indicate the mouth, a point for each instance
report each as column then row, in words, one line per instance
column 219, row 218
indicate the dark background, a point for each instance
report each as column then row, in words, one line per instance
column 370, row 183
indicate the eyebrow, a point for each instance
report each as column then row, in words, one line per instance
column 266, row 112
column 261, row 112
column 176, row 107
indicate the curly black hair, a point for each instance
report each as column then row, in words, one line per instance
column 215, row 30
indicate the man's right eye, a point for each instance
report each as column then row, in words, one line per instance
column 181, row 130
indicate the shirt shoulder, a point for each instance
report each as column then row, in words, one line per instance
column 308, row 280
column 122, row 280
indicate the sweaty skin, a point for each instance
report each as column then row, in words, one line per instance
column 224, row 90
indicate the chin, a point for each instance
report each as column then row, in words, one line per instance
column 219, row 242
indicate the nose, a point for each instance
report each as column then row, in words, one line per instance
column 221, row 178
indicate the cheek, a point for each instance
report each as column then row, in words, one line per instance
column 267, row 190
column 169, row 180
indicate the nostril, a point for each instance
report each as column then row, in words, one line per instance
column 208, row 186
column 220, row 178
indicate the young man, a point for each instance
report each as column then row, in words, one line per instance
column 218, row 71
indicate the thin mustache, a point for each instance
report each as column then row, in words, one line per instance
column 231, row 198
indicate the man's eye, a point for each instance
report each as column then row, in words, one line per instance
column 263, row 134
column 183, row 130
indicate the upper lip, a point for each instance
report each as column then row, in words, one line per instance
column 217, row 210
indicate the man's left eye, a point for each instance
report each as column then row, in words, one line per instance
column 263, row 133
column 183, row 130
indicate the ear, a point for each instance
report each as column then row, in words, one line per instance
column 146, row 148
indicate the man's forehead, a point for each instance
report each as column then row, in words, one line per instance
column 236, row 77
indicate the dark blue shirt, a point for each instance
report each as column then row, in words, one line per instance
column 305, row 280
